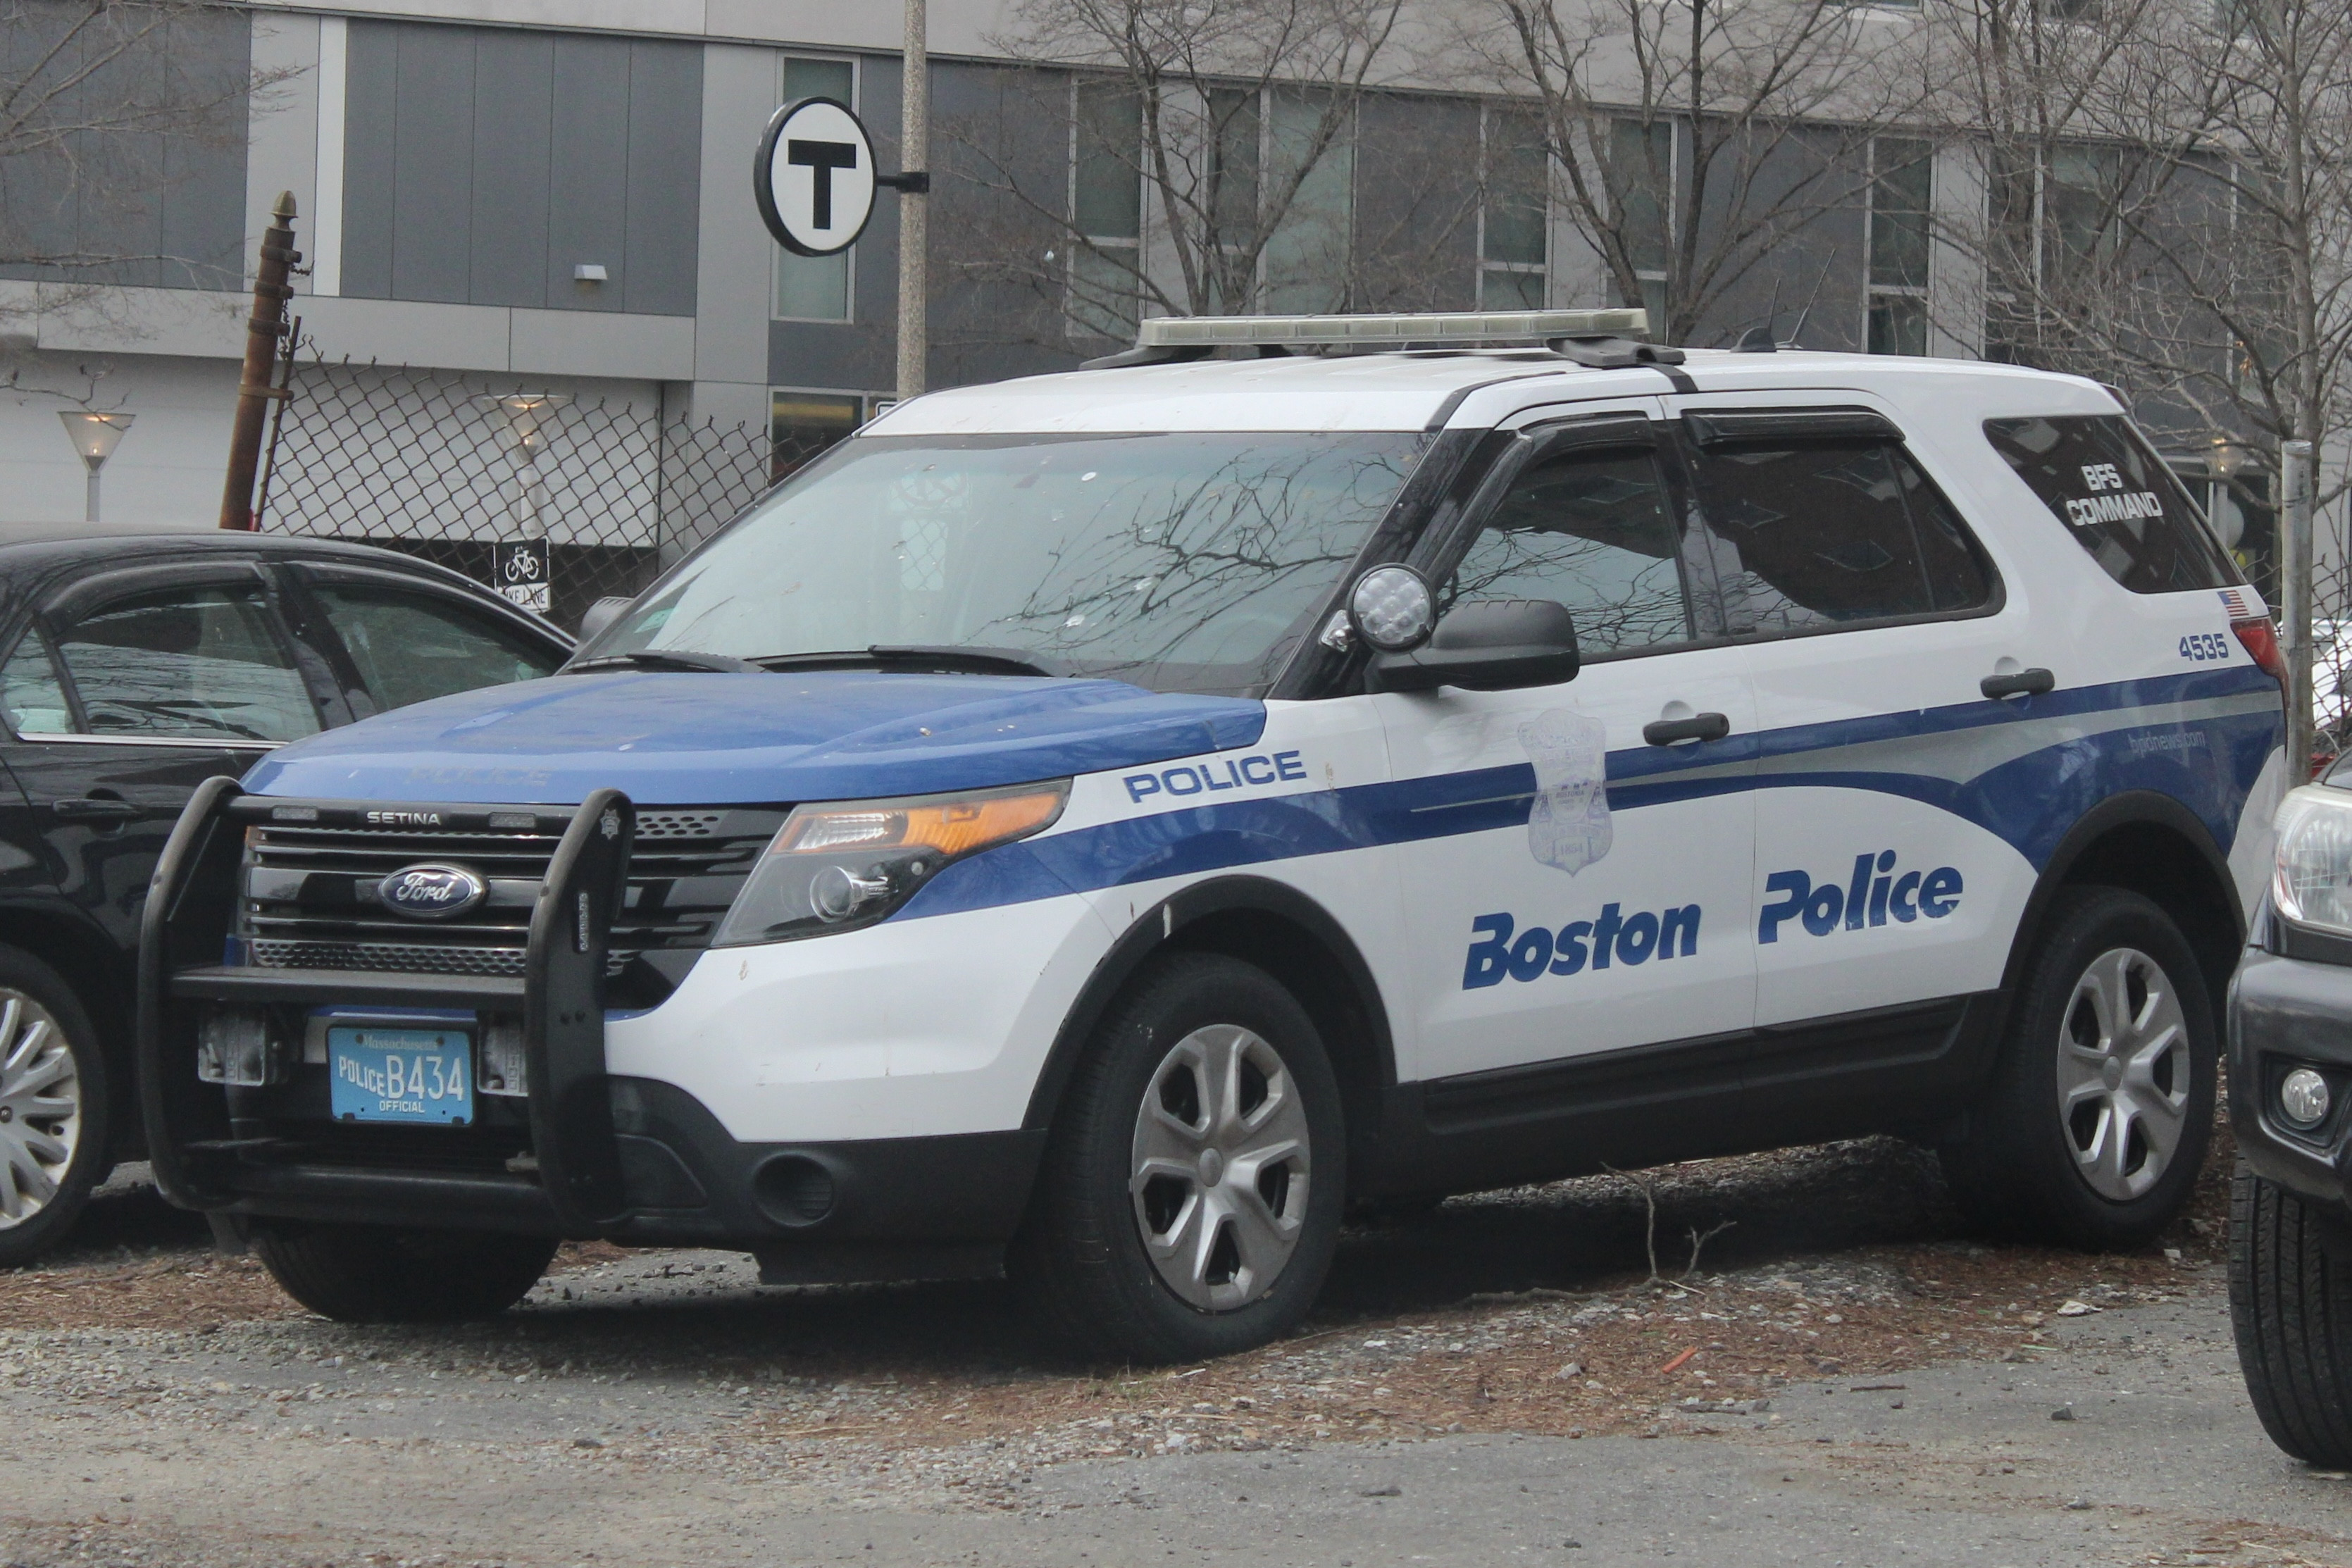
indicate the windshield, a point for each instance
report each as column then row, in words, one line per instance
column 1182, row 562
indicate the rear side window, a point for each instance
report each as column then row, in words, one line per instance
column 2116, row 498
column 1821, row 534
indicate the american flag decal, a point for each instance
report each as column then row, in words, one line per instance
column 2235, row 603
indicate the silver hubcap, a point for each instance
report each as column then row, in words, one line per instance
column 1221, row 1168
column 40, row 1108
column 2123, row 1073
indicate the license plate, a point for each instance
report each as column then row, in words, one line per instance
column 402, row 1075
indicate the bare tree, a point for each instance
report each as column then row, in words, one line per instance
column 1697, row 142
column 100, row 103
column 1210, row 163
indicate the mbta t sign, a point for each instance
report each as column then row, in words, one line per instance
column 815, row 178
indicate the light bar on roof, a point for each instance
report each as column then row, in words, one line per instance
column 1349, row 332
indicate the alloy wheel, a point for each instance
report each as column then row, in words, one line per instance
column 2123, row 1073
column 1222, row 1160
column 40, row 1108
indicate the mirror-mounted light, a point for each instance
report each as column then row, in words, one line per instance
column 1392, row 609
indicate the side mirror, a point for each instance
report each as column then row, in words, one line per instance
column 602, row 614
column 1493, row 647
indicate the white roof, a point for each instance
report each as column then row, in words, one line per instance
column 1410, row 390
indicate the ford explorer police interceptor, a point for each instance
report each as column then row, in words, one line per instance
column 1101, row 825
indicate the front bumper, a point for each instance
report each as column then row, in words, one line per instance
column 2286, row 1013
column 586, row 1153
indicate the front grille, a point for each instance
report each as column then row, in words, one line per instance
column 310, row 897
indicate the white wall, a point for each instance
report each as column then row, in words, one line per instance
column 171, row 464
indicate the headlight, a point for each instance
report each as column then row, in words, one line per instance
column 850, row 863
column 2313, row 884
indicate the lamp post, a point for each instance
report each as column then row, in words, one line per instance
column 521, row 568
column 914, row 216
column 94, row 438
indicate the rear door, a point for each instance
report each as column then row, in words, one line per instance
column 1869, row 615
column 128, row 690
column 1577, row 880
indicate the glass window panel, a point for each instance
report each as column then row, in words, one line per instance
column 1104, row 292
column 2116, row 498
column 1109, row 203
column 1306, row 257
column 1958, row 576
column 804, row 426
column 32, row 697
column 196, row 662
column 1517, row 189
column 1594, row 534
column 1900, row 202
column 816, row 287
column 1233, row 126
column 1642, row 170
column 1898, row 324
column 1182, row 562
column 1504, row 290
column 1810, row 535
column 412, row 646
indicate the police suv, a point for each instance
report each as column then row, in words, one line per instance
column 1102, row 826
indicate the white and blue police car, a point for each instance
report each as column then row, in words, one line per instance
column 1100, row 826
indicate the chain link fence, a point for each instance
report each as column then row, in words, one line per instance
column 472, row 472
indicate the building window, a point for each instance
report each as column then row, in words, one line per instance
column 1307, row 257
column 1642, row 179
column 816, row 288
column 804, row 425
column 1902, row 186
column 1514, row 219
column 1236, row 131
column 1106, row 210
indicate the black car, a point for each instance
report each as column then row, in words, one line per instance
column 134, row 664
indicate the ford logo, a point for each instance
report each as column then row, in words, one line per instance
column 431, row 892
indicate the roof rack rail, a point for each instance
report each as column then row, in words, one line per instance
column 1603, row 339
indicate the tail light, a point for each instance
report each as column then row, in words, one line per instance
column 2260, row 639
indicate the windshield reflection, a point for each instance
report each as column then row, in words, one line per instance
column 1179, row 562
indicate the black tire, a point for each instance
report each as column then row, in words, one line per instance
column 32, row 1219
column 2291, row 1304
column 371, row 1274
column 1081, row 1263
column 2016, row 1169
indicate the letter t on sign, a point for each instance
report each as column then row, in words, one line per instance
column 822, row 158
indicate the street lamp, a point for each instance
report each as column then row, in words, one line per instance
column 519, row 565
column 94, row 438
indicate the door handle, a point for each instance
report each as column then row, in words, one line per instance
column 2018, row 683
column 94, row 808
column 1697, row 727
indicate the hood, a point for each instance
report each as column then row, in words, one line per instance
column 668, row 739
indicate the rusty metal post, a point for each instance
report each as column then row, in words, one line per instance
column 255, row 391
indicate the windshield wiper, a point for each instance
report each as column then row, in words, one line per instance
column 664, row 658
column 946, row 658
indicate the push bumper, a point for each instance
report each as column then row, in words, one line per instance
column 584, row 1154
column 2285, row 1013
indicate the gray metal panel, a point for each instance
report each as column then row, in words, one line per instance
column 665, row 178
column 202, row 200
column 433, row 169
column 514, row 75
column 372, row 74
column 587, row 172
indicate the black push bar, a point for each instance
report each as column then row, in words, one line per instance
column 207, row 1156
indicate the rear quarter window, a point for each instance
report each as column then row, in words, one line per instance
column 2116, row 498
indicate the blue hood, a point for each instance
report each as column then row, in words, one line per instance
column 708, row 740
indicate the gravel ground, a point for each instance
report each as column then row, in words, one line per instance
column 1516, row 1365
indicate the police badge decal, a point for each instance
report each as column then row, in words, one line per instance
column 1568, row 825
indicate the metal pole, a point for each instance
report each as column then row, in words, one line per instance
column 914, row 205
column 2296, row 480
column 255, row 391
column 90, row 498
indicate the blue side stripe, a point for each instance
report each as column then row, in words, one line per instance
column 2029, row 802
